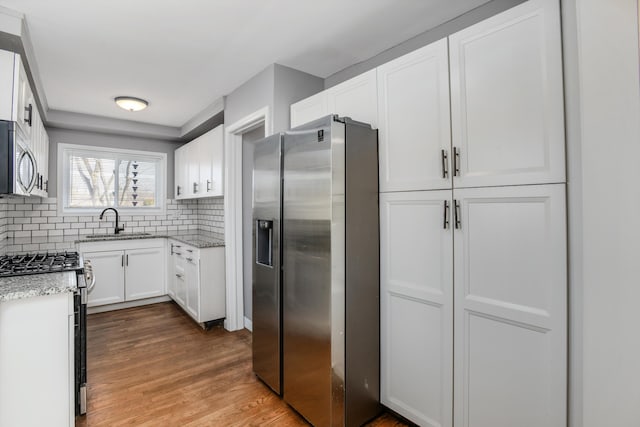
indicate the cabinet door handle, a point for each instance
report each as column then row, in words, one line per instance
column 122, row 260
column 445, row 164
column 208, row 185
column 195, row 187
column 189, row 259
column 127, row 260
column 457, row 215
column 179, row 276
column 29, row 111
column 178, row 190
column 445, row 225
column 46, row 185
column 456, row 161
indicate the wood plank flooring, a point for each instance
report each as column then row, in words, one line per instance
column 153, row 366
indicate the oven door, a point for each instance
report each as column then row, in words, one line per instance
column 26, row 168
column 81, row 345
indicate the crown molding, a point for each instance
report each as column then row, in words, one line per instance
column 88, row 122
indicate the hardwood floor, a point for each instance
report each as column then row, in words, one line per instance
column 153, row 366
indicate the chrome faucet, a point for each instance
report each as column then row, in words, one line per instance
column 118, row 228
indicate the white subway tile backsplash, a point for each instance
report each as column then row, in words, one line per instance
column 28, row 218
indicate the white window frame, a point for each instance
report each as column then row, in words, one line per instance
column 64, row 172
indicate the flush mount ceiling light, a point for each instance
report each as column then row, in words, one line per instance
column 130, row 103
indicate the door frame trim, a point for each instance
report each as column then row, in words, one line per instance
column 233, row 212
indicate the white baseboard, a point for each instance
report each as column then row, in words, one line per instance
column 248, row 324
column 128, row 304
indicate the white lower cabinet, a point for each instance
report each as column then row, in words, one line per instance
column 488, row 267
column 417, row 306
column 125, row 270
column 510, row 301
column 108, row 268
column 198, row 280
column 143, row 278
column 36, row 361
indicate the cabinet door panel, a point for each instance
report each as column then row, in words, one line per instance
column 25, row 105
column 510, row 307
column 108, row 268
column 181, row 177
column 309, row 109
column 506, row 98
column 171, row 270
column 193, row 287
column 414, row 120
column 143, row 277
column 193, row 168
column 356, row 98
column 181, row 283
column 211, row 162
column 417, row 306
column 7, row 101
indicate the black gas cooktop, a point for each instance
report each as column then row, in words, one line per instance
column 18, row 265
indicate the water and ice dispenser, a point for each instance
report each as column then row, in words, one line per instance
column 264, row 242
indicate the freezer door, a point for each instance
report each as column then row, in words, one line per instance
column 313, row 271
column 267, row 207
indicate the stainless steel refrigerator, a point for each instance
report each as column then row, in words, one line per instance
column 316, row 286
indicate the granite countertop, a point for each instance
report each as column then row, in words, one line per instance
column 33, row 285
column 198, row 239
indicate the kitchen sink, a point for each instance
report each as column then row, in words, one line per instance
column 116, row 236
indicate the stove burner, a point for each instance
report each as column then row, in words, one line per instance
column 17, row 265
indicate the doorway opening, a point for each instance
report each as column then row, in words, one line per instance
column 238, row 212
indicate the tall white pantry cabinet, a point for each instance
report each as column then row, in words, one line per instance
column 473, row 232
column 473, row 221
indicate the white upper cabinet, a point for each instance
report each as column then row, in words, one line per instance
column 26, row 107
column 180, row 172
column 17, row 104
column 16, row 98
column 8, row 86
column 510, row 299
column 416, row 283
column 193, row 169
column 309, row 109
column 211, row 154
column 414, row 123
column 199, row 166
column 507, row 98
column 355, row 98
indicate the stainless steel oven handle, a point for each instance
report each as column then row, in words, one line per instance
column 89, row 274
column 92, row 285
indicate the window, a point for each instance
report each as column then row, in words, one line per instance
column 95, row 178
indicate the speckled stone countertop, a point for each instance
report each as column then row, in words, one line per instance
column 194, row 238
column 33, row 285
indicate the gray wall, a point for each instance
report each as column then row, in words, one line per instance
column 291, row 86
column 64, row 136
column 247, row 216
column 254, row 94
column 476, row 15
column 276, row 87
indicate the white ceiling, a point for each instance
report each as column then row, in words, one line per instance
column 183, row 55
